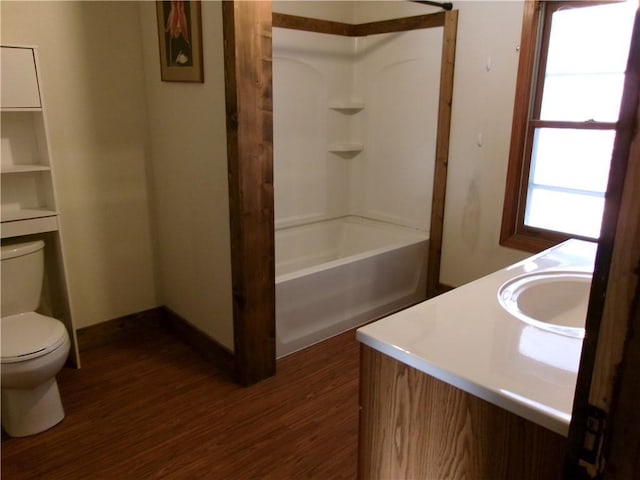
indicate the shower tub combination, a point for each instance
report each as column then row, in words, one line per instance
column 335, row 275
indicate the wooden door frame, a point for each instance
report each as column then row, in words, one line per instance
column 608, row 381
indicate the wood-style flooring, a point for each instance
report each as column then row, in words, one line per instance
column 147, row 406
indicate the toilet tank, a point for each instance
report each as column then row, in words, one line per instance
column 21, row 273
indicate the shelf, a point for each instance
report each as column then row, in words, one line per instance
column 30, row 226
column 346, row 147
column 349, row 106
column 12, row 215
column 24, row 168
column 19, row 80
column 21, row 109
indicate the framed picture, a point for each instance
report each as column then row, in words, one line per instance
column 180, row 37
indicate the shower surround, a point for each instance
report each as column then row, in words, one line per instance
column 355, row 122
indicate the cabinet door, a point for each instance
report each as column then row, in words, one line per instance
column 19, row 79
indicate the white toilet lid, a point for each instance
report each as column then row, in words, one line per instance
column 29, row 335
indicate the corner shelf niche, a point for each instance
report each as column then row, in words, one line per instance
column 346, row 147
column 346, row 107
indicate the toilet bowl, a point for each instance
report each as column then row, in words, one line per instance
column 34, row 346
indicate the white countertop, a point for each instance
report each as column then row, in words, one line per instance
column 466, row 339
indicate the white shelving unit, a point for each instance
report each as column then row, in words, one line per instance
column 29, row 209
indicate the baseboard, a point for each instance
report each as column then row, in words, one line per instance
column 200, row 342
column 443, row 288
column 100, row 334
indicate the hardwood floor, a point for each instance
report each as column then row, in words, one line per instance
column 147, row 406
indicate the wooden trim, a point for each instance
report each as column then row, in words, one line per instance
column 401, row 24
column 623, row 298
column 444, row 288
column 97, row 335
column 248, row 90
column 606, row 374
column 206, row 346
column 509, row 235
column 306, row 24
column 448, row 60
column 413, row 425
column 528, row 99
column 118, row 329
column 316, row 25
column 574, row 125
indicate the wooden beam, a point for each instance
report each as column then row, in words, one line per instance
column 294, row 22
column 442, row 150
column 248, row 84
column 400, row 24
column 316, row 25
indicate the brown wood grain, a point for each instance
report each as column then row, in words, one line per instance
column 442, row 150
column 415, row 426
column 294, row 22
column 608, row 376
column 148, row 407
column 622, row 445
column 509, row 235
column 248, row 88
column 400, row 24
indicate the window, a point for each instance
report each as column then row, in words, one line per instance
column 572, row 62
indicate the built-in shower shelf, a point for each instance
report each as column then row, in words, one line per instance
column 24, row 168
column 348, row 106
column 346, row 147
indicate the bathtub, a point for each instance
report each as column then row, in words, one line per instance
column 335, row 275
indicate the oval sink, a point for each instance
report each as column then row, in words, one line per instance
column 554, row 301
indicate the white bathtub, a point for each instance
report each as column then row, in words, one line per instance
column 338, row 274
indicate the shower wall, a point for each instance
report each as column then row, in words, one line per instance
column 309, row 71
column 355, row 125
column 398, row 75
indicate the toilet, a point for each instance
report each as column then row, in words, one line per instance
column 34, row 346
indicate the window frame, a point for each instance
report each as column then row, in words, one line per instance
column 526, row 119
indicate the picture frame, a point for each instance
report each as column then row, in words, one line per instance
column 180, row 40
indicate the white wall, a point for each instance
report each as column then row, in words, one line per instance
column 482, row 106
column 93, row 86
column 310, row 70
column 398, row 75
column 188, row 181
column 143, row 194
column 336, row 10
column 95, row 92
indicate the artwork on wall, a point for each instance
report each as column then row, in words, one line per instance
column 180, row 37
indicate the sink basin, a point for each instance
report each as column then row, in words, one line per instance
column 554, row 301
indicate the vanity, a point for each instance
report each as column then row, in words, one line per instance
column 478, row 383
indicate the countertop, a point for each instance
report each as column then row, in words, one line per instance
column 466, row 339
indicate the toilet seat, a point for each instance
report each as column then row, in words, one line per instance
column 29, row 335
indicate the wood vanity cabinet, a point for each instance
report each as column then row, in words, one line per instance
column 29, row 209
column 414, row 426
